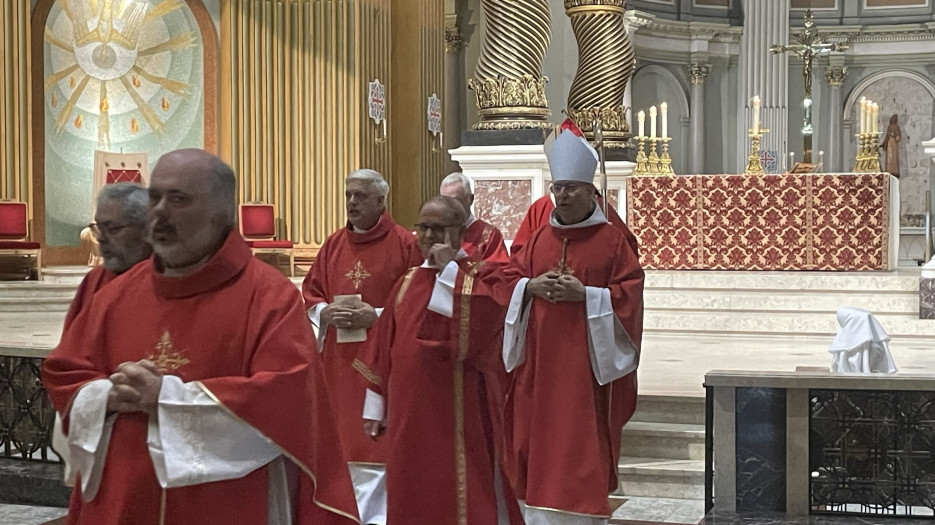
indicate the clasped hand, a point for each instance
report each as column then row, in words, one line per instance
column 352, row 317
column 555, row 288
column 136, row 387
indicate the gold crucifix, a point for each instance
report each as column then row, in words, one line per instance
column 166, row 357
column 562, row 268
column 808, row 46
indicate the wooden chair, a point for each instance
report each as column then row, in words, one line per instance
column 258, row 227
column 14, row 233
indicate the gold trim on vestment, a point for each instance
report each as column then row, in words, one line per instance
column 407, row 280
column 463, row 345
column 308, row 472
column 365, row 371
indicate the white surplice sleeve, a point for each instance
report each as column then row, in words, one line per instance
column 89, row 432
column 613, row 354
column 194, row 440
column 442, row 300
column 374, row 406
column 514, row 327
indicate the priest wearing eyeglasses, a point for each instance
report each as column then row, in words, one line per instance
column 436, row 347
column 572, row 340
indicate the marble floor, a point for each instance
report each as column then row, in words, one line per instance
column 636, row 510
column 27, row 515
column 779, row 519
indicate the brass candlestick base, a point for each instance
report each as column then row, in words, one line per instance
column 754, row 163
column 665, row 161
column 654, row 167
column 642, row 162
column 868, row 154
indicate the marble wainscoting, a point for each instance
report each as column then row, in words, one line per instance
column 502, row 203
column 761, row 449
column 927, row 298
column 727, row 518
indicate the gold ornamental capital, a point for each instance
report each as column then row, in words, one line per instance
column 836, row 75
column 504, row 92
column 698, row 72
column 614, row 125
column 595, row 5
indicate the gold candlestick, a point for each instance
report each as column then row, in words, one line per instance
column 642, row 167
column 754, row 163
column 653, row 157
column 873, row 153
column 860, row 163
column 665, row 161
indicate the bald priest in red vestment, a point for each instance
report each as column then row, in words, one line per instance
column 119, row 224
column 572, row 338
column 345, row 291
column 437, row 342
column 539, row 213
column 482, row 240
column 190, row 389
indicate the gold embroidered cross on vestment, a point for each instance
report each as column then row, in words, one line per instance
column 562, row 267
column 357, row 274
column 166, row 357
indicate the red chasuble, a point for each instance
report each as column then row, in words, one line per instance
column 484, row 242
column 239, row 327
column 538, row 216
column 368, row 264
column 432, row 372
column 92, row 282
column 564, row 428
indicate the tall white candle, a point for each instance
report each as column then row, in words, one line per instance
column 641, row 118
column 863, row 114
column 665, row 128
column 875, row 119
column 756, row 114
column 652, row 122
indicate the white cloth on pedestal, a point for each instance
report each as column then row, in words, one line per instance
column 861, row 345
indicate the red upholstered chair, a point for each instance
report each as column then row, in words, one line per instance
column 14, row 233
column 258, row 227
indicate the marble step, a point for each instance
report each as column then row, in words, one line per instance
column 663, row 440
column 661, row 478
column 778, row 324
column 901, row 281
column 669, row 409
column 637, row 510
column 880, row 302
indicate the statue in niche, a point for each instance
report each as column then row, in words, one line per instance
column 890, row 144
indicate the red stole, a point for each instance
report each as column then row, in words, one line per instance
column 484, row 242
column 239, row 327
column 538, row 216
column 368, row 264
column 564, row 428
column 433, row 373
column 92, row 282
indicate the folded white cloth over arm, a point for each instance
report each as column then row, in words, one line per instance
column 89, row 431
column 194, row 440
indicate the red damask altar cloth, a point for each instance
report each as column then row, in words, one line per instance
column 812, row 221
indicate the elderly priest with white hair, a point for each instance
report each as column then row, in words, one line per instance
column 572, row 338
column 482, row 240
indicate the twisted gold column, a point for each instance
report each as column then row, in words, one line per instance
column 605, row 65
column 509, row 86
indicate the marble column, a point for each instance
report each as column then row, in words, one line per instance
column 835, row 75
column 453, row 96
column 763, row 74
column 927, row 280
column 697, row 73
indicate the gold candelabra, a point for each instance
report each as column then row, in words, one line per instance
column 654, row 163
column 868, row 154
column 754, row 162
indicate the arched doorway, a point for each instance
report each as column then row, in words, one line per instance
column 142, row 77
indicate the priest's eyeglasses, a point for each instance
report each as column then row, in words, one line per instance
column 436, row 229
column 568, row 187
column 106, row 228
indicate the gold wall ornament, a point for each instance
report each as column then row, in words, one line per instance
column 605, row 64
column 836, row 75
column 508, row 84
column 614, row 124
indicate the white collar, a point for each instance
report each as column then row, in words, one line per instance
column 596, row 218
